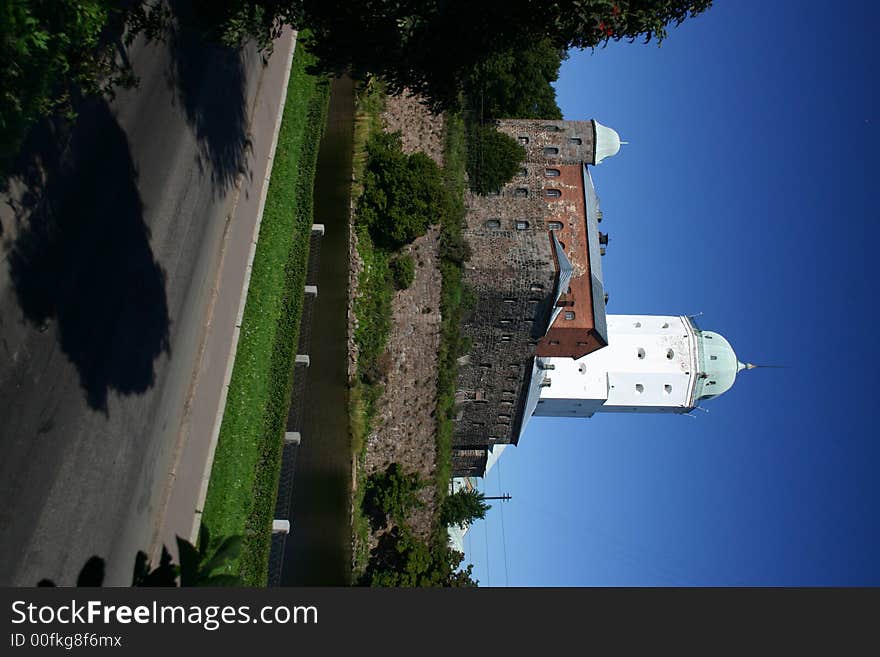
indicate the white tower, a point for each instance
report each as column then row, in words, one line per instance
column 652, row 364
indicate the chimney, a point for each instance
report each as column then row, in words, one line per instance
column 603, row 238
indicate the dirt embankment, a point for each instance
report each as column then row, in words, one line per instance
column 404, row 427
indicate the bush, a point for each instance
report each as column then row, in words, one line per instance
column 493, row 158
column 403, row 271
column 403, row 194
column 390, row 494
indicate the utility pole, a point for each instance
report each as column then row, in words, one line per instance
column 498, row 497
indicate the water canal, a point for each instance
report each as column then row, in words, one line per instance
column 318, row 548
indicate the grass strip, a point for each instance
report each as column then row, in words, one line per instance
column 244, row 478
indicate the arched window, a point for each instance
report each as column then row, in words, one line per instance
column 493, row 223
column 577, row 141
column 569, row 314
column 552, row 173
column 638, row 325
column 552, row 193
column 523, row 139
column 554, row 225
column 667, row 389
column 670, row 354
column 641, row 353
column 551, row 150
column 521, row 192
column 640, row 388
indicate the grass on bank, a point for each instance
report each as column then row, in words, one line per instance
column 372, row 309
column 244, row 479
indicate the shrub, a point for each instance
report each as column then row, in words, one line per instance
column 403, row 271
column 493, row 158
column 403, row 194
column 390, row 494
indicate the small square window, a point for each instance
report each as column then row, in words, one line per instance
column 551, row 150
column 521, row 225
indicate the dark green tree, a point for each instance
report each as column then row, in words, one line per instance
column 391, row 494
column 403, row 193
column 516, row 84
column 463, row 507
column 493, row 158
column 401, row 560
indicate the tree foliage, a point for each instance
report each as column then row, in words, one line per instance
column 390, row 494
column 516, row 84
column 463, row 507
column 402, row 560
column 403, row 194
column 51, row 50
column 410, row 42
column 493, row 158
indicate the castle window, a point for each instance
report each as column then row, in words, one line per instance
column 641, row 354
column 667, row 389
column 640, row 388
column 552, row 173
column 505, row 338
column 569, row 314
column 493, row 223
column 523, row 139
column 536, row 287
column 550, row 128
column 521, row 192
column 509, row 300
column 670, row 354
column 551, row 150
column 713, row 357
column 554, row 343
column 711, row 383
column 523, row 172
column 554, row 225
column 552, row 193
column 575, row 140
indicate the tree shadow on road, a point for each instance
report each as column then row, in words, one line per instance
column 209, row 83
column 83, row 261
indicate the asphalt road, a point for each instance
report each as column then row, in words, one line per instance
column 108, row 271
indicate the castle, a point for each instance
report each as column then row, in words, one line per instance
column 540, row 340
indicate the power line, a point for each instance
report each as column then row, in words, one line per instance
column 503, row 535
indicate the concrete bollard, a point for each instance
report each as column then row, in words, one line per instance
column 312, row 289
column 318, row 228
column 292, row 438
column 302, row 359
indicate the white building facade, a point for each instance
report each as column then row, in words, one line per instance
column 652, row 364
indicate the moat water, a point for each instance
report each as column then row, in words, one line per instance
column 318, row 549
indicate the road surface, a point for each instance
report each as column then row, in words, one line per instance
column 121, row 271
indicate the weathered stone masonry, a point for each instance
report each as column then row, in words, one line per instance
column 513, row 272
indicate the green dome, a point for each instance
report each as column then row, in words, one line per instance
column 718, row 365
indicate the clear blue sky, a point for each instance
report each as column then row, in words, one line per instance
column 746, row 194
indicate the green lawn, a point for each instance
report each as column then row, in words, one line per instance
column 244, row 479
